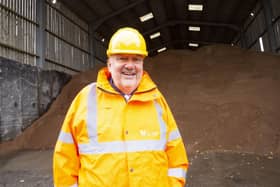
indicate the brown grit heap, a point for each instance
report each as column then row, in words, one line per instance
column 223, row 98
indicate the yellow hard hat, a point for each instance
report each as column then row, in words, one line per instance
column 127, row 41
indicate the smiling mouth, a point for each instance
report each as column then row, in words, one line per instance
column 129, row 73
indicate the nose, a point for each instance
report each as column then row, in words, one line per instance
column 129, row 64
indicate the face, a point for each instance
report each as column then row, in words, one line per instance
column 126, row 71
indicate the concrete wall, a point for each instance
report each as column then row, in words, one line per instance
column 26, row 93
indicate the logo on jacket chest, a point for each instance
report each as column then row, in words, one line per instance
column 146, row 133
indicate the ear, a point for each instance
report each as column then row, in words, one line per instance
column 109, row 65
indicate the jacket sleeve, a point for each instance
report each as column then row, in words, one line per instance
column 176, row 153
column 65, row 158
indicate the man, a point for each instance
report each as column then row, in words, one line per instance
column 119, row 131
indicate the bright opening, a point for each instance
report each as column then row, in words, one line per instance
column 261, row 44
column 192, row 28
column 195, row 7
column 161, row 49
column 53, row 1
column 155, row 35
column 193, row 44
column 146, row 17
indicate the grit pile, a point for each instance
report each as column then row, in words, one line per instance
column 223, row 98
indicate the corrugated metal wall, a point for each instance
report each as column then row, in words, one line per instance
column 276, row 26
column 67, row 40
column 100, row 47
column 66, row 36
column 256, row 35
column 18, row 30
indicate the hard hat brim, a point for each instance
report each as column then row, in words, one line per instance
column 133, row 52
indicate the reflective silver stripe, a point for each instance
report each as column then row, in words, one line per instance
column 145, row 145
column 101, row 148
column 122, row 146
column 175, row 134
column 177, row 172
column 65, row 137
column 161, row 123
column 92, row 114
column 95, row 147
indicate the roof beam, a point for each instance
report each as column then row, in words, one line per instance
column 97, row 23
column 165, row 44
column 187, row 22
column 77, row 6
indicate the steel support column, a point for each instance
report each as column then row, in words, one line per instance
column 40, row 33
column 267, row 8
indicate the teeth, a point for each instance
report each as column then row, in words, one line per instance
column 129, row 73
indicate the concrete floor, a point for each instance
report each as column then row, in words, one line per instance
column 27, row 169
column 232, row 169
column 210, row 169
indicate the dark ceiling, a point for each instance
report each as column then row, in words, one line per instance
column 219, row 21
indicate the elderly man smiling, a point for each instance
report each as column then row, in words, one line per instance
column 120, row 131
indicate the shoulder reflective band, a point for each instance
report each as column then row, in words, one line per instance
column 65, row 137
column 174, row 135
column 177, row 172
column 95, row 147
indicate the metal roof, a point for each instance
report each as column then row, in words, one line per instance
column 220, row 21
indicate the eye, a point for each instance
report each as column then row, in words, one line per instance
column 137, row 59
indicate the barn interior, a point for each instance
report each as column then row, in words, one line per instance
column 216, row 62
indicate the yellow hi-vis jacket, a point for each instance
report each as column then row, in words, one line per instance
column 106, row 141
